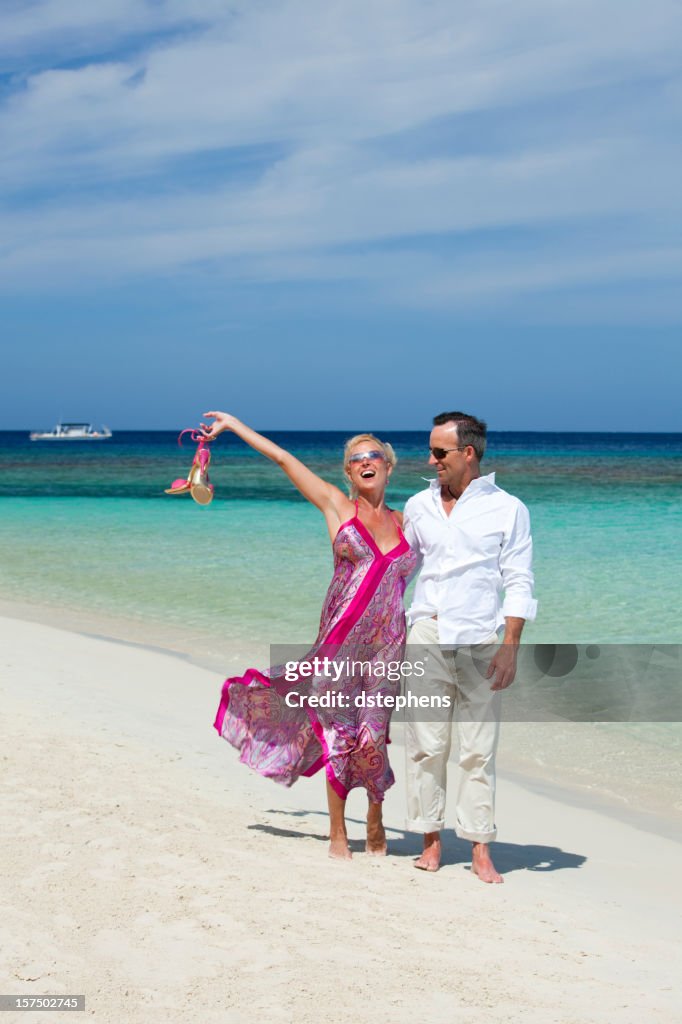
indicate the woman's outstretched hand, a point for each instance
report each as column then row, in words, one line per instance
column 325, row 496
column 221, row 421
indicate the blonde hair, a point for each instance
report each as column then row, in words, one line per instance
column 383, row 446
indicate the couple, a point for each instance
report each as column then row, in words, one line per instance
column 471, row 541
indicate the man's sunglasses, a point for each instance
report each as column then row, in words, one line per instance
column 440, row 453
column 373, row 456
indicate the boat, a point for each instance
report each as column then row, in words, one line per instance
column 71, row 432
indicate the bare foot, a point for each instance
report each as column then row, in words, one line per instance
column 482, row 865
column 338, row 838
column 338, row 847
column 430, row 858
column 376, row 834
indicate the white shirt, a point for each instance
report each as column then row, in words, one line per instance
column 469, row 558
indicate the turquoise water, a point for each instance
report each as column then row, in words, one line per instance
column 86, row 528
column 89, row 541
column 241, row 566
column 226, row 570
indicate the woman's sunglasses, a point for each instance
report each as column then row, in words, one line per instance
column 373, row 456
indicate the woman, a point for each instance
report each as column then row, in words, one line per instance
column 362, row 629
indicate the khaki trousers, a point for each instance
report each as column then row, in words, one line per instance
column 460, row 675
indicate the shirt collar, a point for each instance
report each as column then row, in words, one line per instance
column 480, row 484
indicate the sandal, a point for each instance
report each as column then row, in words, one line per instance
column 197, row 483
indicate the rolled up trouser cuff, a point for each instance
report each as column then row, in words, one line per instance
column 423, row 826
column 475, row 837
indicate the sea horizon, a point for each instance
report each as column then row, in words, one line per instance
column 344, row 430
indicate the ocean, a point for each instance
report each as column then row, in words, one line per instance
column 86, row 527
column 89, row 541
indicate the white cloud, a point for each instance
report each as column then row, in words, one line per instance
column 304, row 72
column 328, row 87
column 69, row 28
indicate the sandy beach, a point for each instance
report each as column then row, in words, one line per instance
column 146, row 868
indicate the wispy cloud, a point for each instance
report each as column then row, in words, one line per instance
column 126, row 125
column 49, row 30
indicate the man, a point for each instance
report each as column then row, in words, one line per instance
column 474, row 542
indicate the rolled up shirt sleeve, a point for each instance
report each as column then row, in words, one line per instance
column 516, row 566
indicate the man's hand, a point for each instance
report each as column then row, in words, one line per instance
column 503, row 666
column 503, row 663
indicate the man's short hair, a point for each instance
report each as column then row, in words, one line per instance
column 469, row 429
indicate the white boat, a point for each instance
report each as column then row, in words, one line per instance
column 71, row 432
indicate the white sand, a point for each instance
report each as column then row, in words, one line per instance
column 144, row 866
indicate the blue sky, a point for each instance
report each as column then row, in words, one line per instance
column 341, row 214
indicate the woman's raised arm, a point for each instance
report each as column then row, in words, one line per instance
column 331, row 501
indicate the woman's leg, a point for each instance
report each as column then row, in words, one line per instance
column 376, row 835
column 338, row 838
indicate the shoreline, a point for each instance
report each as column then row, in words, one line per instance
column 598, row 803
column 560, row 786
column 148, row 635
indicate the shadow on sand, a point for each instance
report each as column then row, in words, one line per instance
column 508, row 856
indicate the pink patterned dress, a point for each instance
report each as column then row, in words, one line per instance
column 362, row 630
